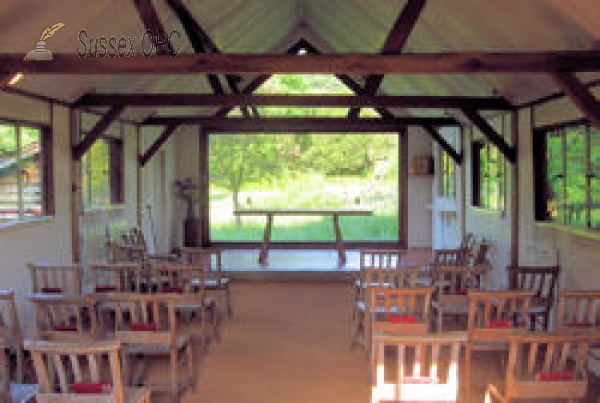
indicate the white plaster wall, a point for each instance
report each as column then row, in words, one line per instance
column 42, row 241
column 419, row 192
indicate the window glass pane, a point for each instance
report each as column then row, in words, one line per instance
column 95, row 171
column 595, row 179
column 555, row 177
column 31, row 171
column 575, row 178
column 9, row 173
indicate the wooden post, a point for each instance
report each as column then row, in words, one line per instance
column 403, row 187
column 339, row 242
column 74, row 128
column 264, row 249
column 138, row 170
column 204, row 187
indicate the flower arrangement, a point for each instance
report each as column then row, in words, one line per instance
column 186, row 190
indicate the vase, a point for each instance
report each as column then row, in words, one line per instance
column 191, row 228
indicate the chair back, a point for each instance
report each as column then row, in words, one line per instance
column 124, row 253
column 147, row 319
column 93, row 370
column 481, row 255
column 541, row 279
column 55, row 279
column 117, row 277
column 10, row 329
column 467, row 241
column 380, row 259
column 493, row 315
column 579, row 312
column 449, row 257
column 455, row 280
column 179, row 278
column 64, row 317
column 426, row 371
column 544, row 365
column 400, row 311
column 209, row 258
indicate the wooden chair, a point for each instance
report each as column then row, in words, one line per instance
column 544, row 366
column 62, row 317
column 481, row 256
column 85, row 373
column 374, row 260
column 184, row 278
column 147, row 326
column 117, row 277
column 397, row 311
column 493, row 317
column 578, row 311
column 452, row 282
column 542, row 280
column 426, row 371
column 55, row 279
column 378, row 277
column 213, row 276
column 468, row 242
column 449, row 257
column 123, row 253
column 136, row 240
column 10, row 329
column 12, row 392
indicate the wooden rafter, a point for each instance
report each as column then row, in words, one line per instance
column 151, row 21
column 490, row 133
column 580, row 95
column 105, row 121
column 401, row 30
column 160, row 141
column 325, row 101
column 413, row 63
column 202, row 43
column 435, row 135
column 300, row 125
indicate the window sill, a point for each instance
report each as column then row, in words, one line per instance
column 580, row 232
column 26, row 223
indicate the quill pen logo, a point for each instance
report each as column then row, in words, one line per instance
column 40, row 52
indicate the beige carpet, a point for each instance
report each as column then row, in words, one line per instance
column 286, row 343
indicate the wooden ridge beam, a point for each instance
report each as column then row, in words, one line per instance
column 580, row 95
column 490, row 133
column 151, row 21
column 318, row 101
column 160, row 141
column 435, row 135
column 406, row 63
column 401, row 30
column 105, row 121
column 300, row 125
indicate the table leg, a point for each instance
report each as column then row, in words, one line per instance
column 339, row 241
column 264, row 249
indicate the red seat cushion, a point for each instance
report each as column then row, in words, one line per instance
column 497, row 324
column 402, row 319
column 144, row 327
column 105, row 288
column 91, row 388
column 424, row 380
column 52, row 290
column 173, row 289
column 555, row 376
column 65, row 328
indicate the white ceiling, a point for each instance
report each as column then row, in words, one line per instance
column 262, row 26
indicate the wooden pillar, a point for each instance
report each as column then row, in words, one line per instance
column 74, row 129
column 514, row 255
column 204, row 188
column 403, row 186
column 138, row 180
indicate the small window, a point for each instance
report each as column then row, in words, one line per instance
column 447, row 175
column 567, row 165
column 102, row 174
column 488, row 176
column 24, row 172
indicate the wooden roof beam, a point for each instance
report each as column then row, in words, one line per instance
column 435, row 135
column 105, row 121
column 401, row 30
column 151, row 21
column 580, row 95
column 413, row 63
column 160, row 141
column 300, row 125
column 491, row 134
column 318, row 101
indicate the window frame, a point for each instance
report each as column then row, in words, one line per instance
column 540, row 143
column 447, row 182
column 482, row 193
column 46, row 166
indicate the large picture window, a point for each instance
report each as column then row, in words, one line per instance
column 102, row 176
column 568, row 167
column 23, row 177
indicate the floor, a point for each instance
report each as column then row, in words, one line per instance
column 290, row 343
